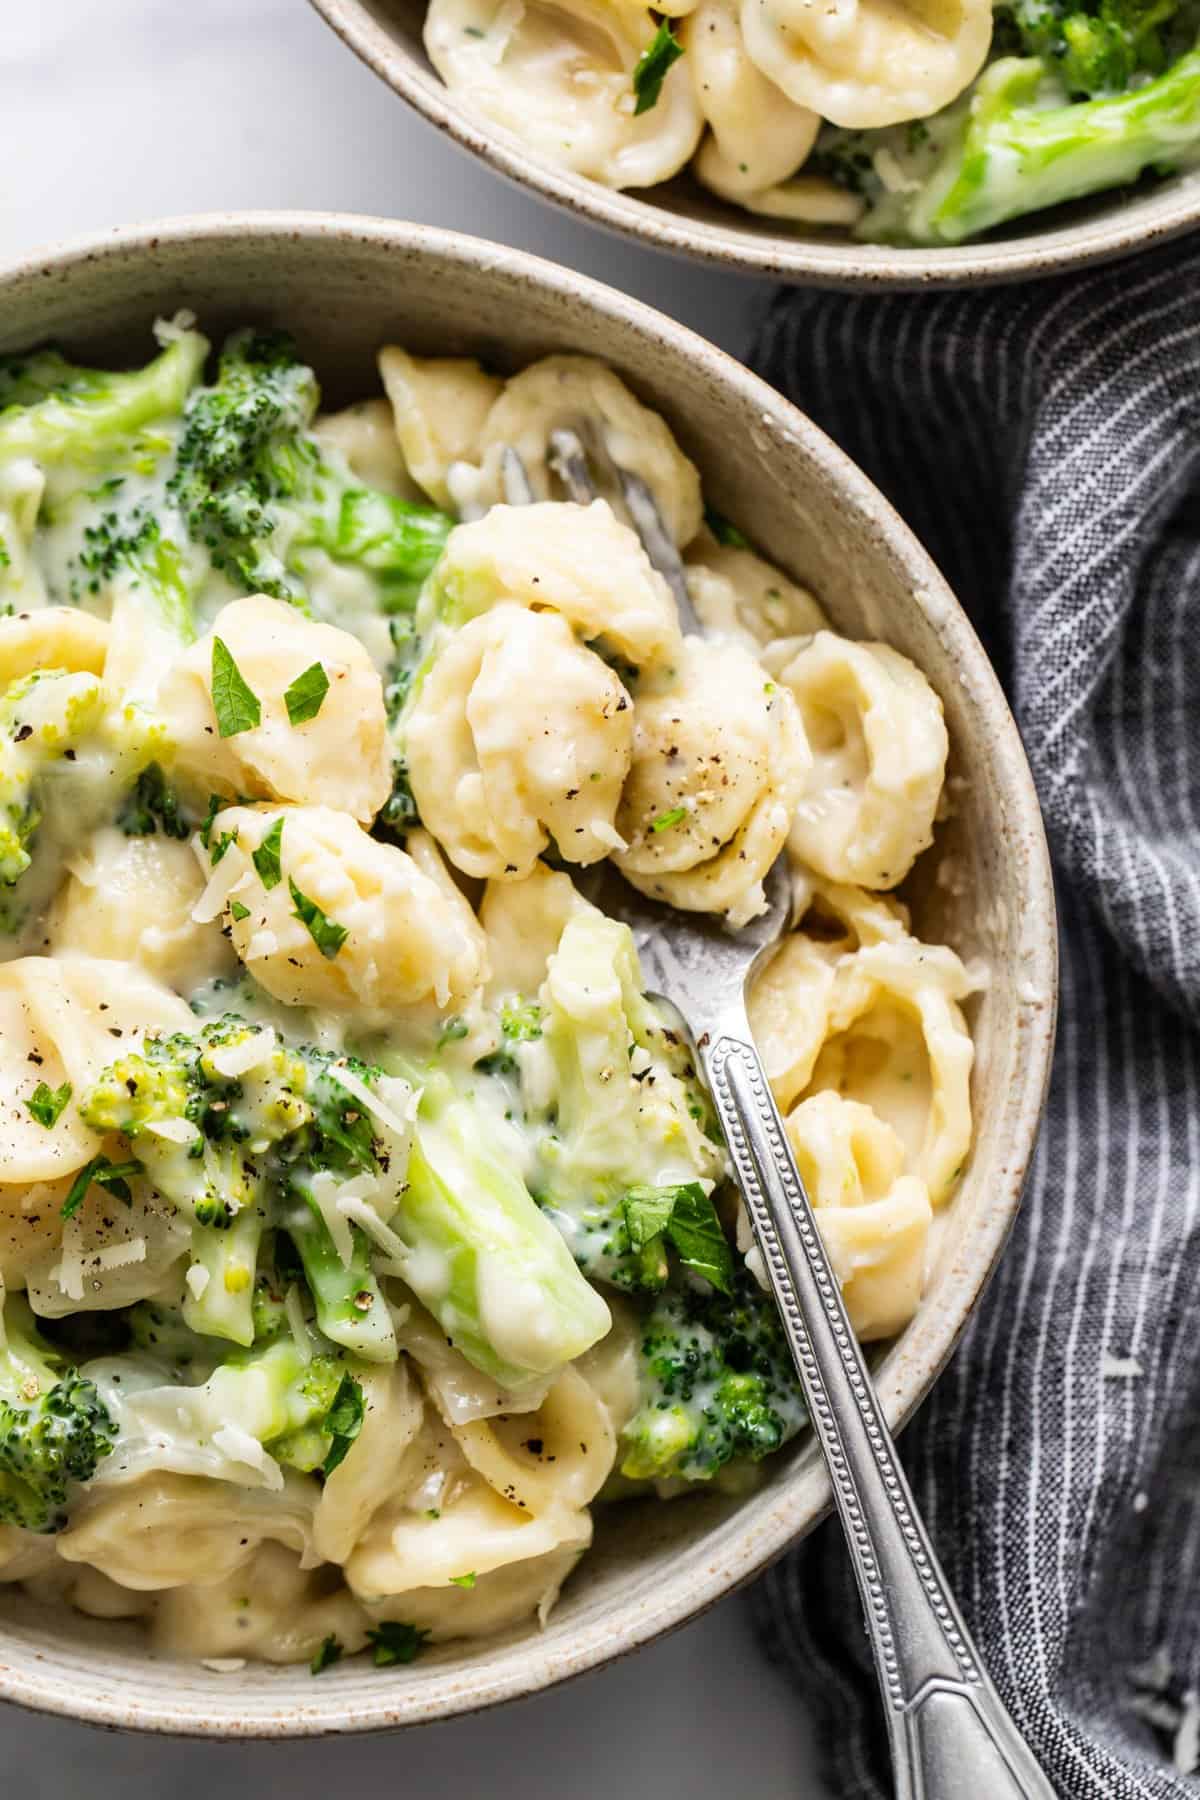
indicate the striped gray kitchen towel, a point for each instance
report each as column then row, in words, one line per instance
column 1044, row 442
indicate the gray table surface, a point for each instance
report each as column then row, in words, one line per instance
column 123, row 110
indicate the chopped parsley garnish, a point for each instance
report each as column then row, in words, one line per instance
column 306, row 695
column 686, row 1218
column 46, row 1103
column 238, row 911
column 463, row 1581
column 343, row 1421
column 652, row 67
column 234, row 702
column 266, row 857
column 222, row 845
column 329, row 1653
column 325, row 933
column 111, row 1176
column 664, row 821
column 395, row 1642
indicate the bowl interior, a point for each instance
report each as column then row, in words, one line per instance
column 682, row 217
column 346, row 287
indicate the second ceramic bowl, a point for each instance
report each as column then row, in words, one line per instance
column 682, row 217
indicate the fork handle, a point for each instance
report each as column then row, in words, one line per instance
column 950, row 1734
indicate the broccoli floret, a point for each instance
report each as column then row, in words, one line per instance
column 153, row 806
column 54, row 1429
column 1097, row 47
column 259, row 493
column 229, row 1122
column 487, row 1263
column 42, row 716
column 62, row 426
column 615, row 1106
column 717, row 1383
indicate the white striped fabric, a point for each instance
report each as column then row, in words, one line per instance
column 1045, row 444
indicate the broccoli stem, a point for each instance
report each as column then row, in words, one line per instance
column 489, row 1265
column 1015, row 157
column 83, row 421
column 228, row 1254
column 351, row 1310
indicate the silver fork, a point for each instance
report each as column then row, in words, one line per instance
column 949, row 1732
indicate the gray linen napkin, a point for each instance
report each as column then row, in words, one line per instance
column 1044, row 442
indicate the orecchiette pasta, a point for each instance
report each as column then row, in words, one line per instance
column 874, row 1220
column 404, row 939
column 758, row 138
column 367, row 1479
column 53, row 637
column 272, row 1608
column 131, row 899
column 493, row 1602
column 366, row 436
column 523, row 921
column 868, row 62
column 736, row 594
column 339, row 757
column 495, row 783
column 579, row 394
column 579, row 561
column 878, row 741
column 439, row 407
column 561, row 77
column 169, row 1531
column 718, row 764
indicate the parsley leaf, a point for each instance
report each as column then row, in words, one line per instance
column 238, row 911
column 46, row 1103
column 664, row 821
column 687, row 1219
column 395, row 1642
column 266, row 857
column 463, row 1581
column 305, row 696
column 325, row 933
column 329, row 1653
column 215, row 803
column 343, row 1421
column 234, row 702
column 109, row 1175
column 222, row 845
column 652, row 67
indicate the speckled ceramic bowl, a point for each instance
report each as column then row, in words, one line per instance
column 685, row 218
column 345, row 286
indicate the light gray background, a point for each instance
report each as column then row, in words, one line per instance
column 119, row 110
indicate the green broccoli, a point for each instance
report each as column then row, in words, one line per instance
column 267, row 502
column 619, row 1116
column 231, row 1125
column 487, row 1263
column 54, row 1429
column 1017, row 143
column 63, row 428
column 717, row 1384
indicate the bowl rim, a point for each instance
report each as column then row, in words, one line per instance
column 819, row 262
column 24, row 1678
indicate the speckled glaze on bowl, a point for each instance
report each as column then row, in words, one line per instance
column 682, row 217
column 345, row 286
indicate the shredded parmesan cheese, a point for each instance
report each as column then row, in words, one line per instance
column 379, row 1233
column 325, row 1189
column 223, row 1665
column 226, row 880
column 197, row 1279
column 371, row 1100
column 232, row 1060
column 69, row 1273
column 240, row 1447
column 119, row 1256
column 176, row 1131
